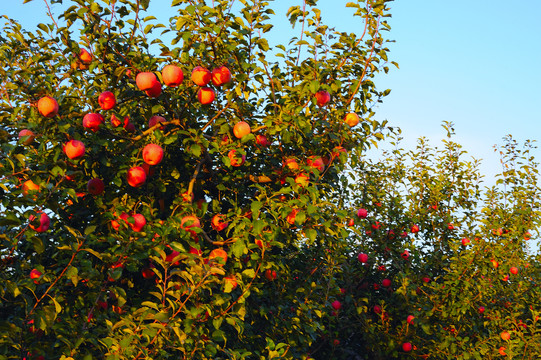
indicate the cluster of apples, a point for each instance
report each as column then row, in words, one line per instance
column 173, row 76
column 323, row 98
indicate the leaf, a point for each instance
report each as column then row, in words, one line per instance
column 95, row 253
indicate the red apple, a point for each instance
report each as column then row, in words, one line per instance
column 291, row 164
column 146, row 80
column 316, row 162
column 154, row 120
column 74, row 149
column 201, row 76
column 410, row 319
column 236, row 159
column 505, row 335
column 139, row 222
column 230, row 283
column 377, row 309
column 136, row 176
column 405, row 255
column 414, row 229
column 47, row 106
column 481, row 309
column 241, row 129
column 363, row 258
column 220, row 76
column 190, row 222
column 322, row 98
column 95, row 186
column 407, row 347
column 352, row 119
column 386, row 283
column 362, row 213
column 218, row 256
column 270, row 274
column 115, row 121
column 262, row 140
column 513, row 270
column 29, row 187
column 85, row 57
column 155, row 90
column 148, row 273
column 291, row 216
column 152, row 154
column 465, row 242
column 205, row 95
column 93, row 121
column 218, row 222
column 336, row 305
column 302, row 179
column 26, row 137
column 172, row 75
column 35, row 274
column 44, row 222
column 107, row 100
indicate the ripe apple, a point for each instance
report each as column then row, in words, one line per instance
column 410, row 319
column 414, row 229
column 351, row 222
column 386, row 283
column 95, row 186
column 481, row 309
column 513, row 270
column 241, row 129
column 302, row 179
column 426, row 280
column 74, row 149
column 172, row 75
column 85, row 57
column 139, row 222
column 155, row 90
column 205, row 95
column 450, row 226
column 292, row 164
column 336, row 305
column 115, row 121
column 377, row 309
column 362, row 213
column 190, row 222
column 170, row 257
column 230, row 283
column 218, row 222
column 136, row 176
column 352, row 119
column 322, row 98
column 195, row 251
column 130, row 127
column 107, row 100
column 527, row 235
column 154, row 120
column 92, row 121
column 262, row 140
column 35, row 274
column 220, row 76
column 201, row 76
column 145, row 80
column 465, row 242
column 218, row 256
column 407, row 347
column 26, row 136
column 405, row 255
column 47, row 106
column 336, row 342
column 152, row 154
column 291, row 216
column 44, row 222
column 501, row 350
column 494, row 263
column 270, row 274
column 316, row 162
column 29, row 187
column 337, row 151
column 237, row 159
column 148, row 273
column 363, row 258
column 505, row 335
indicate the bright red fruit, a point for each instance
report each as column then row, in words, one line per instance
column 363, row 258
column 107, row 100
column 136, row 176
column 336, row 305
column 153, row 154
column 95, row 186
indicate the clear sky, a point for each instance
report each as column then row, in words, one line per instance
column 476, row 63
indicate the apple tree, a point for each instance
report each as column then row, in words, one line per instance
column 170, row 190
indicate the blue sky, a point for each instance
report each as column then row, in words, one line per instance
column 474, row 63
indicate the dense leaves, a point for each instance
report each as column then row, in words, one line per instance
column 138, row 220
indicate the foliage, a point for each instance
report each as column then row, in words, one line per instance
column 283, row 279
